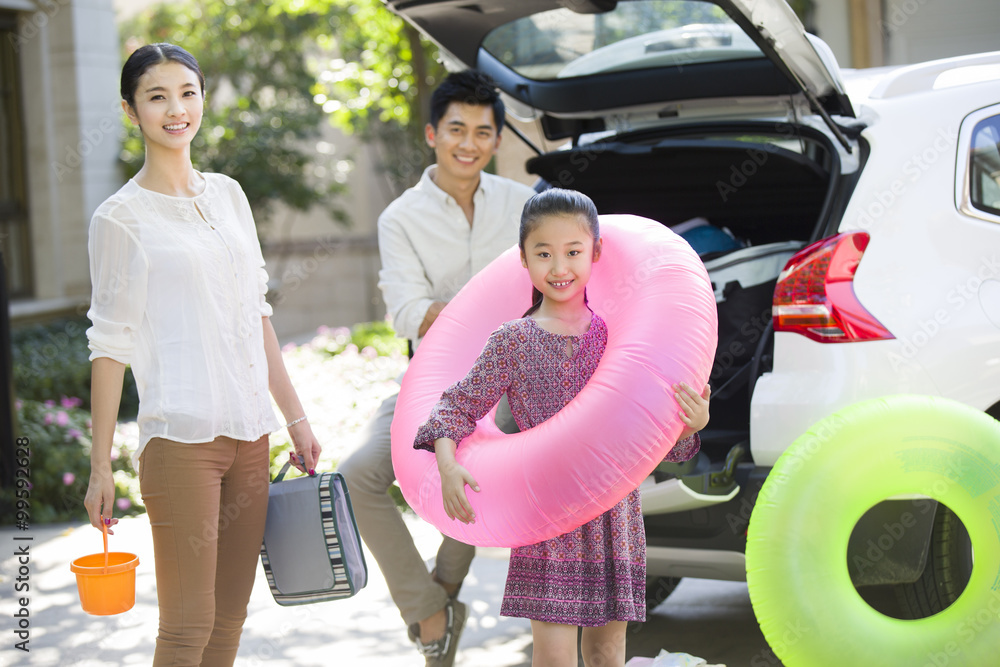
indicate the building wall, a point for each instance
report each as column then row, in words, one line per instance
column 873, row 33
column 70, row 65
column 920, row 30
column 322, row 273
column 831, row 24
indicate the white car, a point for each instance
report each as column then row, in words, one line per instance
column 849, row 220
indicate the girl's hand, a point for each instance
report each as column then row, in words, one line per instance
column 307, row 448
column 694, row 408
column 101, row 496
column 454, row 477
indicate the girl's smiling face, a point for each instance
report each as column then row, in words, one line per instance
column 559, row 255
column 168, row 105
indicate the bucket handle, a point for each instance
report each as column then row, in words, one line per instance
column 104, row 531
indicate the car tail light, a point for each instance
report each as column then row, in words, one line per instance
column 815, row 293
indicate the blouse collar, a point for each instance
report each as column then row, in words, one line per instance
column 196, row 197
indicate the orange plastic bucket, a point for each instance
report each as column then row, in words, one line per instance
column 106, row 581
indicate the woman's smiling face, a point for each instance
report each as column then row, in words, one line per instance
column 168, row 105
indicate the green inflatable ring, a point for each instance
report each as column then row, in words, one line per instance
column 797, row 570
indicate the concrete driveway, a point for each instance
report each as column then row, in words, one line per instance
column 708, row 619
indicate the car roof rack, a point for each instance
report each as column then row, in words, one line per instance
column 923, row 77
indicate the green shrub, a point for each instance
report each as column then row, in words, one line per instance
column 278, row 456
column 52, row 360
column 377, row 336
column 58, row 442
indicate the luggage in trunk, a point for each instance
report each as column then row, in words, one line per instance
column 743, row 282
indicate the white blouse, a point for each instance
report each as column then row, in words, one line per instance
column 178, row 293
column 429, row 250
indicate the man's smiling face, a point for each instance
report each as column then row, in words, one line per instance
column 464, row 141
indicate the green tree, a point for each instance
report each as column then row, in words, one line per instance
column 378, row 85
column 276, row 69
column 261, row 125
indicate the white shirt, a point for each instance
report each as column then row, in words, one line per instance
column 178, row 293
column 429, row 250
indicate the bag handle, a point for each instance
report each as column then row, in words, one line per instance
column 281, row 473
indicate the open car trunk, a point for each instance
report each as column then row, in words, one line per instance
column 766, row 189
column 762, row 191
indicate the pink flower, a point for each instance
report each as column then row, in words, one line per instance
column 369, row 352
column 123, row 504
column 68, row 478
column 70, row 403
column 18, row 404
column 323, row 330
column 49, row 404
column 114, row 454
column 62, row 418
column 288, row 347
column 49, row 418
column 75, row 434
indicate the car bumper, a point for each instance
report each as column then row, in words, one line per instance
column 811, row 381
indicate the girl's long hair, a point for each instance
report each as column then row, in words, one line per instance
column 554, row 201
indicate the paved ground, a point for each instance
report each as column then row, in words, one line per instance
column 709, row 619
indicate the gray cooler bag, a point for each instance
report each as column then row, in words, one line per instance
column 311, row 550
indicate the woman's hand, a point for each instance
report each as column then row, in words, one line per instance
column 101, row 496
column 307, row 448
column 454, row 477
column 694, row 408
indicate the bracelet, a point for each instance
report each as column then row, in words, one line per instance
column 295, row 421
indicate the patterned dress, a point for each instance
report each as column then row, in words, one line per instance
column 597, row 572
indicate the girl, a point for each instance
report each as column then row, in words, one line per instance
column 593, row 576
column 178, row 292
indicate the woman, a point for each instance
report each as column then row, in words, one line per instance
column 178, row 292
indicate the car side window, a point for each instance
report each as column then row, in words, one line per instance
column 984, row 166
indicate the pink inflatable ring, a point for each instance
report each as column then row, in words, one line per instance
column 655, row 295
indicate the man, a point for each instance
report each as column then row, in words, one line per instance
column 432, row 240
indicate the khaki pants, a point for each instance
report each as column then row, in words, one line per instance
column 207, row 504
column 368, row 472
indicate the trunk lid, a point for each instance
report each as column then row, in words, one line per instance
column 586, row 63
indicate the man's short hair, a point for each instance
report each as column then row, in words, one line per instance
column 467, row 87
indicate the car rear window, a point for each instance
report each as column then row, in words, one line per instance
column 561, row 43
